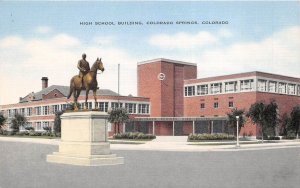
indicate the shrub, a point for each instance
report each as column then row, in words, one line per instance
column 134, row 135
column 273, row 138
column 290, row 136
column 201, row 137
column 35, row 133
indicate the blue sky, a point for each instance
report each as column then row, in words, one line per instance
column 39, row 38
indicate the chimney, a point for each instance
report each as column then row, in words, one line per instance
column 44, row 82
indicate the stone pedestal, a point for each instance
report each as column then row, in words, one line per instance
column 84, row 141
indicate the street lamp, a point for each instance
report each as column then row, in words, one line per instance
column 237, row 131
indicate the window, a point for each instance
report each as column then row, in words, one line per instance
column 9, row 113
column 28, row 111
column 298, row 89
column 230, row 87
column 272, row 86
column 292, row 89
column 38, row 126
column 28, row 124
column 189, row 91
column 282, row 87
column 202, row 105
column 261, row 85
column 15, row 111
column 115, row 105
column 38, row 110
column 45, row 124
column 130, row 107
column 246, row 85
column 90, row 105
column 216, row 105
column 22, row 111
column 202, row 89
column 63, row 106
column 55, row 108
column 143, row 108
column 230, row 104
column 103, row 106
column 216, row 88
column 45, row 110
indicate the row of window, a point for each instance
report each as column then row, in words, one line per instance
column 277, row 87
column 244, row 85
column 132, row 108
column 216, row 105
column 39, row 125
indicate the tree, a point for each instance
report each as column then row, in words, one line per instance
column 265, row 116
column 2, row 120
column 18, row 121
column 232, row 118
column 295, row 120
column 57, row 122
column 118, row 116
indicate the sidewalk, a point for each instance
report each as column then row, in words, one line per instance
column 172, row 144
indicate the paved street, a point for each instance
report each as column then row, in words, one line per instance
column 24, row 165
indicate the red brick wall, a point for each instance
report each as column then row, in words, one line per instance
column 167, row 90
column 149, row 86
column 178, row 90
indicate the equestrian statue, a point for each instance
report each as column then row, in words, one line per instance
column 86, row 80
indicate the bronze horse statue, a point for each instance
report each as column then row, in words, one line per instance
column 89, row 82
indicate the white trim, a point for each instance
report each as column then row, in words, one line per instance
column 166, row 60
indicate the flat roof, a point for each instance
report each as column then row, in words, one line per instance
column 178, row 118
column 166, row 60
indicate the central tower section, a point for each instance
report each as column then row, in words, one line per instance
column 162, row 81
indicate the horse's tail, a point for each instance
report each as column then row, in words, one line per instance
column 71, row 88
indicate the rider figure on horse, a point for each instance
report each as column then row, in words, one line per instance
column 84, row 67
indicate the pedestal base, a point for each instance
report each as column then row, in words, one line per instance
column 92, row 160
column 84, row 141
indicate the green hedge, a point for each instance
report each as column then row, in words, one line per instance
column 134, row 135
column 201, row 137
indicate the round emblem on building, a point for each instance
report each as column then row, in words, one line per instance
column 161, row 76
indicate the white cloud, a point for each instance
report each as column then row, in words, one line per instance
column 56, row 57
column 183, row 40
column 43, row 29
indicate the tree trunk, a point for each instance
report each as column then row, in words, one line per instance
column 118, row 127
column 115, row 128
column 262, row 135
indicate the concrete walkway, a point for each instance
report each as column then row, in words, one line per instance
column 178, row 143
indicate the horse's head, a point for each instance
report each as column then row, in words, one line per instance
column 100, row 64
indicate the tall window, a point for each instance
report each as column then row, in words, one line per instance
column 130, row 107
column 103, row 106
column 55, row 108
column 22, row 111
column 230, row 104
column 38, row 126
column 216, row 88
column 216, row 105
column 63, row 106
column 261, row 85
column 282, row 87
column 202, row 89
column 298, row 89
column 38, row 110
column 45, row 110
column 272, row 86
column 292, row 89
column 45, row 124
column 28, row 111
column 246, row 85
column 189, row 90
column 15, row 111
column 143, row 108
column 115, row 105
column 230, row 87
column 9, row 113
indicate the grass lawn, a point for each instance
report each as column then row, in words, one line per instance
column 27, row 136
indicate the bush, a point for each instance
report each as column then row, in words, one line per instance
column 290, row 136
column 273, row 138
column 134, row 135
column 201, row 137
column 35, row 133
